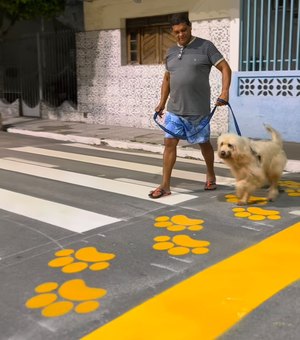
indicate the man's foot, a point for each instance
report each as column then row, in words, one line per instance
column 210, row 185
column 159, row 192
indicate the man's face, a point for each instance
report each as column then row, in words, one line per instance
column 183, row 33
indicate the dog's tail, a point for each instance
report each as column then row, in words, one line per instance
column 276, row 137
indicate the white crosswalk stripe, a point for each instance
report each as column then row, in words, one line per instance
column 59, row 215
column 144, row 154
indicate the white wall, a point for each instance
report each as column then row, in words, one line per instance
column 110, row 14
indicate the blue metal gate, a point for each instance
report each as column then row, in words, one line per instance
column 270, row 35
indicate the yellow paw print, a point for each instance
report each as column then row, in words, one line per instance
column 256, row 214
column 88, row 257
column 252, row 200
column 73, row 291
column 178, row 223
column 293, row 188
column 181, row 245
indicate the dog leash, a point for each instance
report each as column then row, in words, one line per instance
column 205, row 120
column 233, row 116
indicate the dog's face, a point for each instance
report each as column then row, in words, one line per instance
column 227, row 146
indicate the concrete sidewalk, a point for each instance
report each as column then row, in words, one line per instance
column 118, row 137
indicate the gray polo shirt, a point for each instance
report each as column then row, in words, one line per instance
column 189, row 77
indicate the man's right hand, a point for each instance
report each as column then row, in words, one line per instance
column 159, row 109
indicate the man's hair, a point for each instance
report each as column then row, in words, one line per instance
column 180, row 18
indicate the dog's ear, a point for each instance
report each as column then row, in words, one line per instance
column 243, row 150
column 244, row 145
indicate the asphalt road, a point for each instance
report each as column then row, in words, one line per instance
column 86, row 254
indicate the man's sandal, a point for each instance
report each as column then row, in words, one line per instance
column 210, row 185
column 159, row 192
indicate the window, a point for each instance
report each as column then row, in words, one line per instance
column 148, row 39
column 270, row 35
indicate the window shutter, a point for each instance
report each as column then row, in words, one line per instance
column 149, row 45
column 167, row 40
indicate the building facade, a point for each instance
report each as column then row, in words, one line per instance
column 119, row 58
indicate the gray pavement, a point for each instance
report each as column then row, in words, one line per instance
column 30, row 243
column 119, row 137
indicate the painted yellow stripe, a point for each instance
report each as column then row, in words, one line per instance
column 209, row 303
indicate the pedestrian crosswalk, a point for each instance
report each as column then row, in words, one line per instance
column 196, row 176
column 46, row 164
column 113, row 186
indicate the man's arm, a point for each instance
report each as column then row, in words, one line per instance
column 224, row 68
column 165, row 91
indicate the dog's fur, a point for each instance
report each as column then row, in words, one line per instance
column 253, row 163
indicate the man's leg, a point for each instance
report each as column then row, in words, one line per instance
column 169, row 159
column 208, row 155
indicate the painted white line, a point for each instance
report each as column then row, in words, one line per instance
column 128, row 189
column 59, row 215
column 164, row 267
column 149, row 184
column 292, row 165
column 180, row 260
column 21, row 160
column 250, row 228
column 56, row 136
column 147, row 155
column 295, row 212
column 145, row 168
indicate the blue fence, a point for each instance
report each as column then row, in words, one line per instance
column 269, row 35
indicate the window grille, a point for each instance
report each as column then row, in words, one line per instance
column 270, row 35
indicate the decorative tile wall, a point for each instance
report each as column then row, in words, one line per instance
column 283, row 86
column 267, row 97
column 115, row 94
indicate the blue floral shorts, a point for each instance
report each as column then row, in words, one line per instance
column 187, row 128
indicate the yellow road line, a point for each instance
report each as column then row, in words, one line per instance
column 209, row 303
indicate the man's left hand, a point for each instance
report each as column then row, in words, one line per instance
column 223, row 100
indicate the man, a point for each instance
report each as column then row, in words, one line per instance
column 186, row 84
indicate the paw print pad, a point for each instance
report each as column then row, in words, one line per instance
column 256, row 214
column 252, row 200
column 74, row 262
column 181, row 245
column 72, row 295
column 292, row 188
column 178, row 223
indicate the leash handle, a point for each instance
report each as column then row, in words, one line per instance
column 164, row 128
column 233, row 116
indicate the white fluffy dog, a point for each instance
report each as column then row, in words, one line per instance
column 254, row 164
